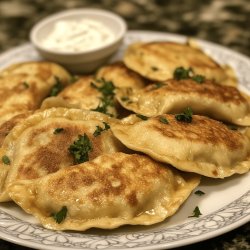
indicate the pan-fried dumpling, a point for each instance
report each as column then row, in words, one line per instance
column 121, row 76
column 7, row 126
column 8, row 113
column 20, row 93
column 53, row 139
column 202, row 145
column 157, row 61
column 223, row 103
column 110, row 191
column 47, row 71
column 91, row 94
column 23, row 86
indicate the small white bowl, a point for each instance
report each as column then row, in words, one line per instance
column 88, row 60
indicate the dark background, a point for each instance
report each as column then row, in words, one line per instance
column 226, row 22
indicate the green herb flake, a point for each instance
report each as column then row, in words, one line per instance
column 58, row 130
column 107, row 89
column 60, row 216
column 74, row 78
column 124, row 98
column 26, row 85
column 104, row 104
column 163, row 120
column 198, row 78
column 99, row 130
column 232, row 127
column 196, row 213
column 158, row 85
column 154, row 68
column 80, row 149
column 182, row 73
column 199, row 193
column 186, row 116
column 6, row 160
column 143, row 117
column 57, row 87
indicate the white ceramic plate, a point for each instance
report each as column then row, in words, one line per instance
column 224, row 206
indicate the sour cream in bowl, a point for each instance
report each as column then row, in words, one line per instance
column 79, row 39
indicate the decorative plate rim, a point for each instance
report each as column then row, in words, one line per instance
column 228, row 217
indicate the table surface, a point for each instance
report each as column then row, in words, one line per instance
column 224, row 22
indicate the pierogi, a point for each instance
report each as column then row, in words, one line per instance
column 24, row 86
column 46, row 71
column 157, row 61
column 85, row 95
column 107, row 192
column 53, row 139
column 223, row 103
column 67, row 161
column 121, row 76
column 7, row 126
column 203, row 146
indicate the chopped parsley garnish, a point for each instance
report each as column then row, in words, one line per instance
column 198, row 78
column 196, row 213
column 74, row 78
column 26, row 85
column 80, row 149
column 57, row 87
column 103, row 105
column 232, row 127
column 58, row 130
column 185, row 116
column 61, row 215
column 143, row 117
column 99, row 130
column 154, row 68
column 124, row 98
column 6, row 160
column 107, row 89
column 199, row 192
column 181, row 73
column 163, row 120
column 158, row 85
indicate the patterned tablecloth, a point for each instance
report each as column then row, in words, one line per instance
column 225, row 22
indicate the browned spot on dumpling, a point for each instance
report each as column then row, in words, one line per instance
column 6, row 127
column 121, row 76
column 202, row 129
column 215, row 173
column 206, row 89
column 167, row 56
column 54, row 154
column 132, row 199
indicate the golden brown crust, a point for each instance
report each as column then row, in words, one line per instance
column 202, row 146
column 6, row 127
column 207, row 89
column 112, row 180
column 158, row 61
column 46, row 71
column 121, row 76
column 201, row 130
column 81, row 93
column 224, row 103
column 110, row 191
column 35, row 149
column 84, row 95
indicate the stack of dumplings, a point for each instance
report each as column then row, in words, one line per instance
column 126, row 145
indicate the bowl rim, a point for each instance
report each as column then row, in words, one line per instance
column 71, row 12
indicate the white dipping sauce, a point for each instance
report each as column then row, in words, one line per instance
column 78, row 36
